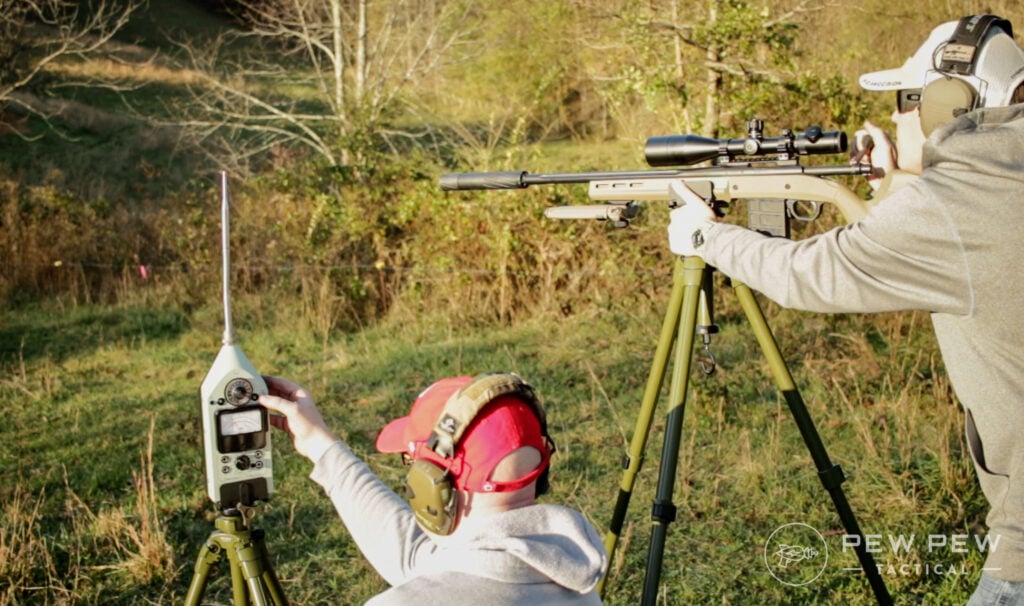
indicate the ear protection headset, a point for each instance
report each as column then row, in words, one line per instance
column 953, row 95
column 429, row 486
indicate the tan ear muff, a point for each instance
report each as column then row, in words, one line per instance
column 431, row 495
column 943, row 101
column 429, row 487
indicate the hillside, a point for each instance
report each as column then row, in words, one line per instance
column 354, row 274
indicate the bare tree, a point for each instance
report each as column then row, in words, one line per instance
column 737, row 45
column 35, row 35
column 324, row 73
column 712, row 59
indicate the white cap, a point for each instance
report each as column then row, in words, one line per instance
column 998, row 68
column 912, row 73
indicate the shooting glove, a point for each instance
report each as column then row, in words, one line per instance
column 689, row 223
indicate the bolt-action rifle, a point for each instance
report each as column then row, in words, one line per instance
column 765, row 170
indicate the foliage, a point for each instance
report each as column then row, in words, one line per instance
column 318, row 76
column 372, row 231
column 356, row 275
column 57, row 245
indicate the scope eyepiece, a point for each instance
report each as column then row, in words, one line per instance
column 674, row 150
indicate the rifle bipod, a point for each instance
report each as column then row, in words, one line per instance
column 689, row 289
column 252, row 578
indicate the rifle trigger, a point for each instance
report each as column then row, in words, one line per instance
column 813, row 209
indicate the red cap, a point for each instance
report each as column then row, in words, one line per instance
column 502, row 426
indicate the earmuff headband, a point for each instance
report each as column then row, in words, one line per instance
column 430, row 484
column 464, row 405
column 957, row 56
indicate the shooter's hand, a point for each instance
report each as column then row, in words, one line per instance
column 299, row 416
column 689, row 222
column 880, row 153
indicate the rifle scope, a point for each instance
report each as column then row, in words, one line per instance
column 673, row 150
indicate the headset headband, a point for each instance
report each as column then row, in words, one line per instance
column 958, row 54
column 464, row 405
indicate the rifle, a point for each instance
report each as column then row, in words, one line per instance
column 768, row 173
column 765, row 170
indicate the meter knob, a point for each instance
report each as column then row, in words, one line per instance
column 238, row 392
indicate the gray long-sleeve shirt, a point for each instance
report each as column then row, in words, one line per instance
column 540, row 554
column 948, row 243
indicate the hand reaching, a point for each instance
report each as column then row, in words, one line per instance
column 299, row 416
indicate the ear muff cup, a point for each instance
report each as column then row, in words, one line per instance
column 943, row 101
column 430, row 492
column 429, row 487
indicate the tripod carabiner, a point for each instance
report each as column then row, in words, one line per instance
column 706, row 322
column 707, row 360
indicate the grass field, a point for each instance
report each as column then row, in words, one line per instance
column 102, row 494
column 104, row 498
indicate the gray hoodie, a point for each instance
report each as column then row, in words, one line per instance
column 948, row 243
column 541, row 554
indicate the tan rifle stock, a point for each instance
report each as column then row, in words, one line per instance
column 735, row 187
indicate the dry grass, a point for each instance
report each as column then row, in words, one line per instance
column 24, row 552
column 38, row 566
column 105, row 69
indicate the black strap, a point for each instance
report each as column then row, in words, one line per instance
column 958, row 54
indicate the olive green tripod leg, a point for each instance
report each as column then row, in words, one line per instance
column 679, row 329
column 830, row 474
column 663, row 511
column 687, row 277
column 253, row 581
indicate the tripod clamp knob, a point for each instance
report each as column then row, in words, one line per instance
column 663, row 512
column 832, row 478
column 245, row 513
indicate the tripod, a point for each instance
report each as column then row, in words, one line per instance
column 688, row 315
column 252, row 578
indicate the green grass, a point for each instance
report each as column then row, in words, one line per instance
column 83, row 384
column 89, row 516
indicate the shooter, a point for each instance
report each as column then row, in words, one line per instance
column 943, row 237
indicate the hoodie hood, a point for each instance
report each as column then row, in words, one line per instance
column 534, row 544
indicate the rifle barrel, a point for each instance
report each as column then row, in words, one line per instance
column 520, row 179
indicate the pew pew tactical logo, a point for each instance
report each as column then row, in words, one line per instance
column 796, row 554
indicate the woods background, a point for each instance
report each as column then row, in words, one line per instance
column 356, row 274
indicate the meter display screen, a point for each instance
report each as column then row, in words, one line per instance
column 242, row 429
column 239, row 422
